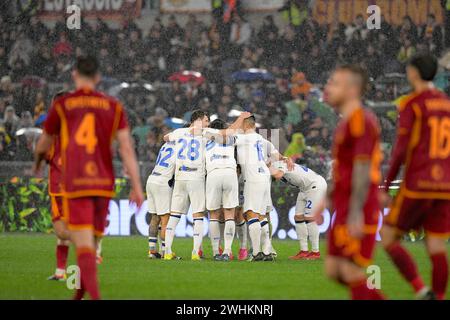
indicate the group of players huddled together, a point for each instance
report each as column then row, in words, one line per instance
column 210, row 162
column 226, row 171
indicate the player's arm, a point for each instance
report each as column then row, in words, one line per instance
column 129, row 161
column 360, row 190
column 364, row 134
column 42, row 148
column 51, row 128
column 404, row 128
column 275, row 155
column 277, row 173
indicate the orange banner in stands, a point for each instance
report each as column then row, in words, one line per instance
column 345, row 11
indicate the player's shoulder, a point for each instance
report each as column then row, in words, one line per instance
column 112, row 100
column 361, row 121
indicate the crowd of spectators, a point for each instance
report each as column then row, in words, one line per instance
column 299, row 58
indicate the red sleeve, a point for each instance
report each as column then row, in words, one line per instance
column 404, row 127
column 123, row 121
column 53, row 122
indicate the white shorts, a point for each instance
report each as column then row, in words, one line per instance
column 158, row 198
column 269, row 199
column 222, row 189
column 188, row 192
column 308, row 200
column 255, row 197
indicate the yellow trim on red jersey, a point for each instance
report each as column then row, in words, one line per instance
column 445, row 235
column 426, row 195
column 80, row 227
column 89, row 193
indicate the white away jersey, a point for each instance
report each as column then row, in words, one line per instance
column 220, row 153
column 300, row 177
column 189, row 154
column 250, row 150
column 165, row 164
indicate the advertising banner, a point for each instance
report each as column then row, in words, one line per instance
column 345, row 11
column 106, row 9
column 173, row 6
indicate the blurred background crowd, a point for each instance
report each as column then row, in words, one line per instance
column 227, row 64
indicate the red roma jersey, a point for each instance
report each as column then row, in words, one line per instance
column 87, row 122
column 357, row 137
column 423, row 146
column 55, row 163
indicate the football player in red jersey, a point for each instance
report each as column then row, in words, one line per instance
column 58, row 219
column 356, row 175
column 423, row 201
column 87, row 122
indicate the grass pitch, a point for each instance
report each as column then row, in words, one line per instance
column 26, row 260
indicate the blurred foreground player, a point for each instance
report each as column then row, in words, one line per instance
column 87, row 123
column 58, row 219
column 356, row 175
column 423, row 201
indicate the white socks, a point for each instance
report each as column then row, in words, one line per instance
column 254, row 230
column 302, row 235
column 265, row 237
column 152, row 243
column 222, row 232
column 313, row 233
column 229, row 230
column 198, row 234
column 170, row 231
column 241, row 229
column 214, row 235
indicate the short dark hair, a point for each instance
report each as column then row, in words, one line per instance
column 60, row 94
column 218, row 124
column 360, row 72
column 198, row 114
column 426, row 64
column 87, row 66
column 251, row 120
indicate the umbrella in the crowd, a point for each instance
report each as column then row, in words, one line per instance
column 187, row 76
column 174, row 123
column 29, row 131
column 252, row 74
column 131, row 87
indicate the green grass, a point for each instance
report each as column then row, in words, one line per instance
column 27, row 259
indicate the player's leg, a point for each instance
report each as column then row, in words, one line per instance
column 437, row 228
column 266, row 244
column 154, row 221
column 63, row 238
column 403, row 216
column 254, row 230
column 214, row 232
column 241, row 231
column 162, row 234
column 436, row 248
column 356, row 279
column 179, row 206
column 230, row 200
column 81, row 225
column 197, row 198
column 230, row 229
column 99, row 249
column 213, row 204
column 153, row 228
column 222, row 231
column 314, row 198
column 300, row 228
